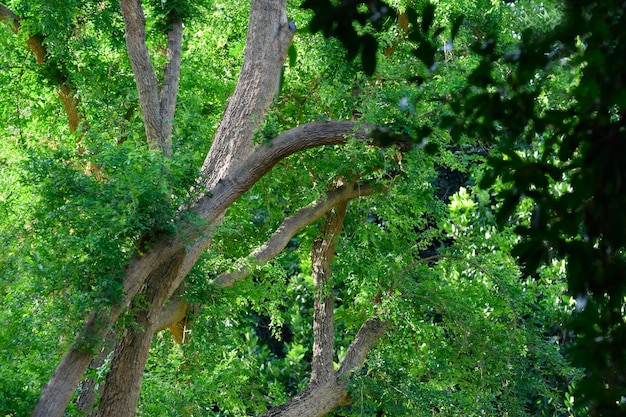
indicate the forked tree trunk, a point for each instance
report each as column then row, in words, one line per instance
column 232, row 167
column 267, row 42
column 327, row 388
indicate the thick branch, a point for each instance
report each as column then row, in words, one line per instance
column 313, row 401
column 145, row 78
column 317, row 400
column 173, row 316
column 322, row 255
column 264, row 157
column 327, row 389
column 289, row 228
column 268, row 38
column 365, row 339
column 57, row 393
column 192, row 240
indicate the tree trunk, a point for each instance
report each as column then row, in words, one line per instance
column 232, row 167
column 267, row 42
column 327, row 388
column 123, row 381
column 314, row 401
column 89, row 387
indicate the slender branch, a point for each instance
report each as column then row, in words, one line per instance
column 8, row 17
column 290, row 227
column 34, row 43
column 169, row 87
column 145, row 77
column 322, row 255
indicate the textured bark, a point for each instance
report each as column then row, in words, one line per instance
column 365, row 339
column 289, row 228
column 88, row 388
column 319, row 399
column 267, row 42
column 169, row 87
column 124, row 380
column 174, row 315
column 322, row 255
column 193, row 240
column 57, row 393
column 313, row 401
column 327, row 388
column 266, row 156
column 145, row 77
column 157, row 109
column 232, row 166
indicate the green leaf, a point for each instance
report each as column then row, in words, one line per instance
column 292, row 53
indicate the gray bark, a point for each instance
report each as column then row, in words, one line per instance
column 327, row 389
column 233, row 165
column 289, row 228
column 322, row 254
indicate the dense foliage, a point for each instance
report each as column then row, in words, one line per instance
column 552, row 99
column 431, row 251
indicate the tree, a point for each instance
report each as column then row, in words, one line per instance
column 232, row 166
column 137, row 222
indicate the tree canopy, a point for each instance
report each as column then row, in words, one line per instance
column 354, row 208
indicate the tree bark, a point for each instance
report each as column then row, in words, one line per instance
column 145, row 77
column 232, row 167
column 123, row 381
column 322, row 255
column 191, row 239
column 267, row 43
column 288, row 228
column 57, row 393
column 317, row 400
column 327, row 389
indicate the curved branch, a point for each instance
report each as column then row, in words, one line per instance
column 264, row 157
column 290, row 227
column 8, row 17
column 365, row 339
column 34, row 43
